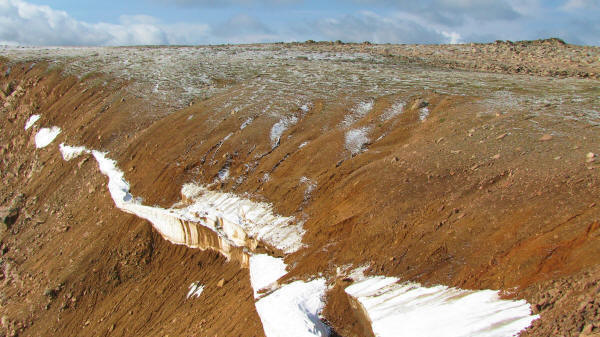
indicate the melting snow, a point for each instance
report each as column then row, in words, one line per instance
column 45, row 136
column 356, row 139
column 423, row 113
column 71, row 152
column 310, row 187
column 293, row 310
column 409, row 309
column 264, row 271
column 196, row 290
column 31, row 121
column 302, row 145
column 246, row 123
column 395, row 110
column 359, row 111
column 280, row 127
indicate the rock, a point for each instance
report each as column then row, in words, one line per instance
column 497, row 156
column 546, row 138
column 8, row 216
column 590, row 157
column 221, row 283
column 502, row 136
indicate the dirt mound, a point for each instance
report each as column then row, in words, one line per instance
column 419, row 183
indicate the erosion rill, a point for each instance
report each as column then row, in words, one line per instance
column 299, row 190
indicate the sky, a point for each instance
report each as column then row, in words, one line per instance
column 196, row 22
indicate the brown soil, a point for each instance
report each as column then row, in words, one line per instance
column 466, row 198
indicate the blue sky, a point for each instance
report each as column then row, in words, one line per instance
column 132, row 22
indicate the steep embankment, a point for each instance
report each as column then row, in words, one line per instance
column 466, row 180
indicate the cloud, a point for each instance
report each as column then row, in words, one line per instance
column 368, row 26
column 27, row 24
column 243, row 29
column 581, row 4
column 227, row 3
column 450, row 12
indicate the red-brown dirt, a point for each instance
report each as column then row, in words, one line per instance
column 467, row 198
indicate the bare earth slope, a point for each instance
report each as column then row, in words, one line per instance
column 392, row 162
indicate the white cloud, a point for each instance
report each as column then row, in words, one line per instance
column 581, row 4
column 368, row 26
column 22, row 23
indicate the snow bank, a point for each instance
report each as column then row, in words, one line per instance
column 409, row 309
column 256, row 220
column 31, row 121
column 293, row 310
column 45, row 136
column 264, row 271
column 355, row 139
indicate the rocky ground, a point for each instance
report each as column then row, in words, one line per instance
column 476, row 178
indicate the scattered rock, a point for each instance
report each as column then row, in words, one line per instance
column 546, row 138
column 8, row 216
column 502, row 136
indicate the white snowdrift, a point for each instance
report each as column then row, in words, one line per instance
column 45, row 136
column 293, row 310
column 31, row 121
column 409, row 309
column 242, row 217
column 236, row 222
column 265, row 270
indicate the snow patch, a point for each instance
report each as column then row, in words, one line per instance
column 32, row 119
column 395, row 110
column 358, row 112
column 279, row 128
column 409, row 309
column 45, row 136
column 302, row 145
column 423, row 113
column 356, row 139
column 196, row 290
column 310, row 187
column 293, row 310
column 246, row 123
column 265, row 270
column 71, row 152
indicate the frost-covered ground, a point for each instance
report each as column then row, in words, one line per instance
column 278, row 78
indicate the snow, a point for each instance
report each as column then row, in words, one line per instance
column 279, row 128
column 302, row 145
column 246, row 123
column 293, row 310
column 256, row 220
column 358, row 112
column 423, row 113
column 32, row 119
column 395, row 110
column 45, row 136
column 196, row 290
column 235, row 220
column 310, row 186
column 71, row 152
column 409, row 309
column 264, row 271
column 355, row 139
